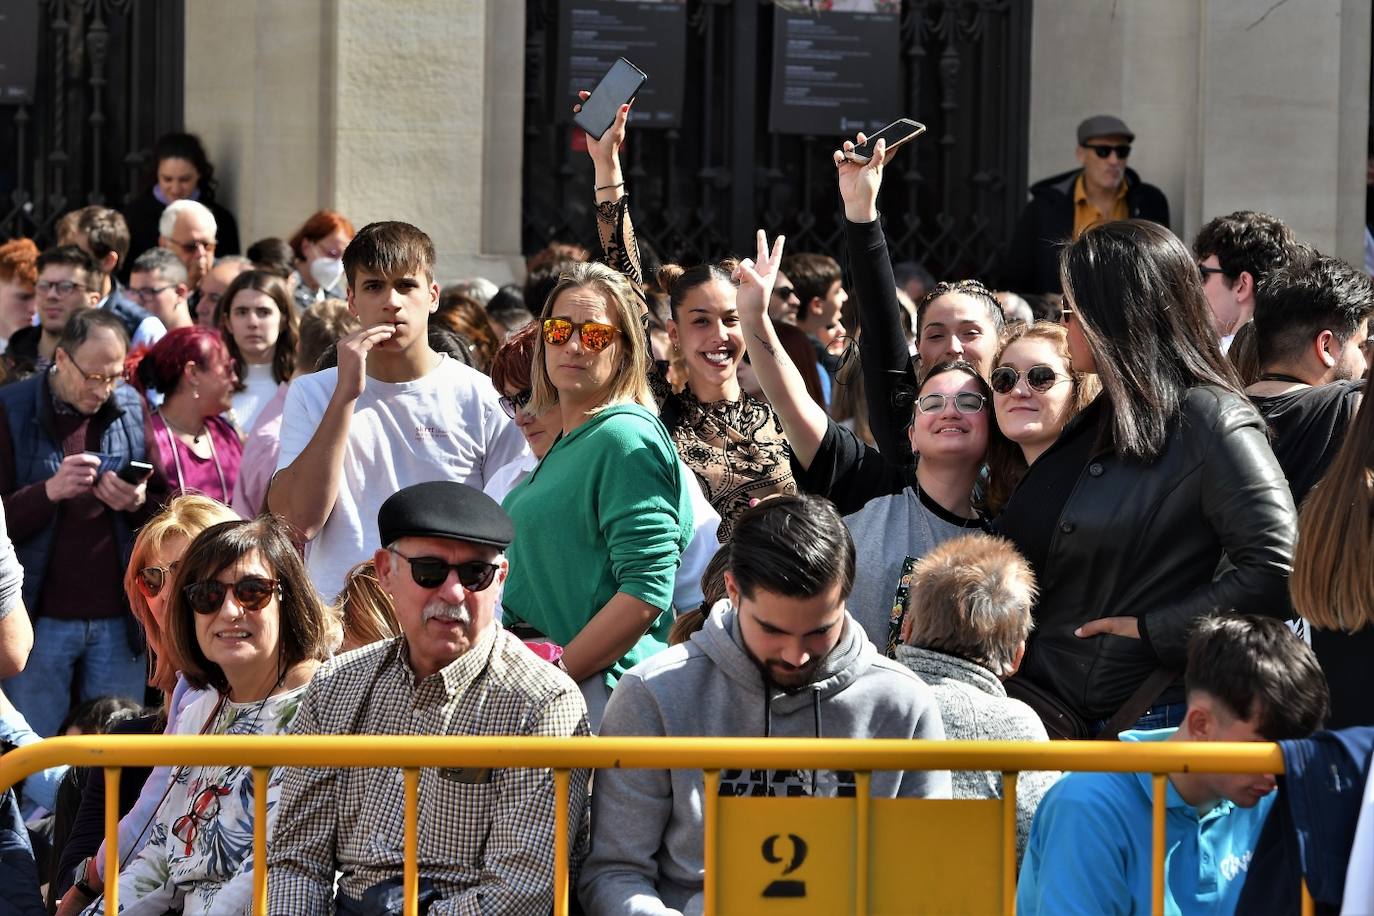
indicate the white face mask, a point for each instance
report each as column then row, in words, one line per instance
column 327, row 272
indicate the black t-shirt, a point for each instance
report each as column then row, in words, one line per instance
column 1345, row 660
column 1031, row 516
column 1307, row 428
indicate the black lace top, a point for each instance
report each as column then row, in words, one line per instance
column 736, row 448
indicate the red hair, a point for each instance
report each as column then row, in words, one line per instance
column 513, row 364
column 18, row 261
column 320, row 224
column 161, row 366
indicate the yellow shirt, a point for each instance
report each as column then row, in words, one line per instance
column 1085, row 214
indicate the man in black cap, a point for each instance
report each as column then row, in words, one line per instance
column 486, row 835
column 1062, row 206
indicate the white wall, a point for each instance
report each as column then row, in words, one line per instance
column 407, row 109
column 1236, row 104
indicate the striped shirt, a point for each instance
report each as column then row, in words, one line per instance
column 485, row 837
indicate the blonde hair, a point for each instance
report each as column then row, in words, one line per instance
column 367, row 611
column 1330, row 584
column 186, row 516
column 971, row 598
column 630, row 384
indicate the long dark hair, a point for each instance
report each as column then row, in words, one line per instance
column 1138, row 296
column 284, row 356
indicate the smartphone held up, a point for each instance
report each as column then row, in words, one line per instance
column 616, row 88
column 895, row 134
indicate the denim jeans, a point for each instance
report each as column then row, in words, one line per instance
column 1161, row 715
column 93, row 654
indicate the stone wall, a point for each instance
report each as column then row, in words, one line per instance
column 1236, row 104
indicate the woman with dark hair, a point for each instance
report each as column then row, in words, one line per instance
column 895, row 512
column 1332, row 588
column 732, row 441
column 199, row 451
column 180, row 171
column 258, row 322
column 1125, row 517
column 246, row 626
column 460, row 313
column 1035, row 392
column 318, row 248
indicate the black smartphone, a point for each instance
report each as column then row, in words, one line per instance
column 617, row 87
column 896, row 133
column 135, row 472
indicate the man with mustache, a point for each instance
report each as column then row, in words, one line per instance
column 780, row 658
column 486, row 835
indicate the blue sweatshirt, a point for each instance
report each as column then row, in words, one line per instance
column 1089, row 849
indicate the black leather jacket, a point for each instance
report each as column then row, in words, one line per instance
column 1145, row 541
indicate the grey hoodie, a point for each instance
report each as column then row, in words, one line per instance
column 647, row 846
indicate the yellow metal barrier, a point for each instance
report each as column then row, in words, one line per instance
column 871, row 817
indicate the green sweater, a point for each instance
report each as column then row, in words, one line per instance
column 606, row 511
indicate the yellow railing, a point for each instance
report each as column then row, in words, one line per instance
column 710, row 755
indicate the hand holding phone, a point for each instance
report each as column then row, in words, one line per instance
column 135, row 472
column 895, row 134
column 616, row 88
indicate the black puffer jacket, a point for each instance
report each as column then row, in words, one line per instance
column 1145, row 541
column 1031, row 261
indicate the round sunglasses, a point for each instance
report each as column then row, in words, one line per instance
column 1040, row 378
column 432, row 572
column 964, row 402
column 595, row 335
column 251, row 592
column 152, row 579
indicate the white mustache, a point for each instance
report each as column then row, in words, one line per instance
column 445, row 611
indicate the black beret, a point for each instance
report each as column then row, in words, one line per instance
column 444, row 509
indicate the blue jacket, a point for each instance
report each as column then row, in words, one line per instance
column 38, row 454
column 1089, row 850
column 18, row 870
column 1311, row 832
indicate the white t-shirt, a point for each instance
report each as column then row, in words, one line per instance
column 259, row 388
column 446, row 425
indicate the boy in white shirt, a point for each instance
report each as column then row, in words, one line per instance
column 392, row 414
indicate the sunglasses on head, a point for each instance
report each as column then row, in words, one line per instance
column 151, row 579
column 432, row 572
column 1103, row 150
column 595, row 335
column 1040, row 378
column 511, row 405
column 251, row 592
column 964, row 402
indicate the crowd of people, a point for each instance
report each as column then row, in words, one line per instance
column 305, row 490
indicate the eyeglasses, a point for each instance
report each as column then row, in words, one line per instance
column 204, row 808
column 595, row 335
column 1203, row 270
column 148, row 292
column 61, row 287
column 511, row 405
column 193, row 246
column 94, row 377
column 251, row 592
column 151, row 579
column 783, row 292
column 1103, row 150
column 1040, row 378
column 1065, row 315
column 964, row 402
column 432, row 572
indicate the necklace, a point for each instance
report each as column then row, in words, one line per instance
column 195, row 437
column 176, row 458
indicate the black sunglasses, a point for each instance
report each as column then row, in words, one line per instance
column 1103, row 150
column 512, row 405
column 432, row 572
column 251, row 592
column 783, row 292
column 1040, row 378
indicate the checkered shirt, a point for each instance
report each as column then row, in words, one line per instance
column 486, row 845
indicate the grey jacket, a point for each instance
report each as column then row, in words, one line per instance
column 975, row 707
column 647, row 848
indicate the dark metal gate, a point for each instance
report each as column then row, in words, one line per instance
column 109, row 82
column 700, row 191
